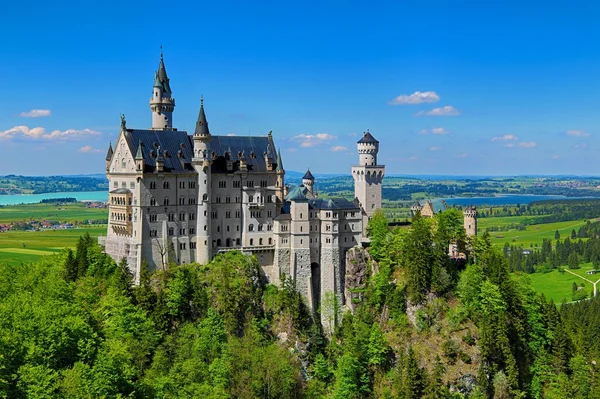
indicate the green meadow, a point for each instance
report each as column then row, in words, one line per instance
column 533, row 235
column 67, row 213
column 18, row 247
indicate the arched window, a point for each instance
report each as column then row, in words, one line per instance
column 260, row 241
column 171, row 231
column 251, row 227
column 166, row 201
column 166, row 185
column 270, row 241
column 252, row 241
column 218, row 242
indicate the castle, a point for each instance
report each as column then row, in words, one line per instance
column 176, row 197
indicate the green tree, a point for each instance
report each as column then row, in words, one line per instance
column 573, row 260
column 377, row 230
column 71, row 267
column 419, row 258
column 378, row 348
column 557, row 235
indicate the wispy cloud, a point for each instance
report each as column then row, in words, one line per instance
column 36, row 113
column 87, row 149
column 447, row 110
column 506, row 137
column 418, row 97
column 313, row 140
column 435, row 130
column 581, row 146
column 339, row 148
column 435, row 148
column 577, row 133
column 528, row 144
column 38, row 133
column 509, row 145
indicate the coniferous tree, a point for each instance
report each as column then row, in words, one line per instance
column 71, row 267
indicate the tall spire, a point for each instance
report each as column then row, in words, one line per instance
column 279, row 161
column 162, row 74
column 201, row 123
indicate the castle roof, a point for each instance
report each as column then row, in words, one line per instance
column 201, row 123
column 331, row 203
column 367, row 138
column 161, row 76
column 279, row 161
column 308, row 176
column 297, row 193
column 250, row 147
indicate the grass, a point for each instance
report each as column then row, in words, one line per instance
column 18, row 247
column 62, row 213
column 533, row 235
column 557, row 286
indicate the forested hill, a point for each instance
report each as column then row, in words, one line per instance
column 425, row 326
column 12, row 184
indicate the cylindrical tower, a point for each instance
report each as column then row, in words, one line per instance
column 470, row 220
column 161, row 103
column 368, row 148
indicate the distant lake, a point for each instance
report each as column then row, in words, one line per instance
column 505, row 199
column 35, row 198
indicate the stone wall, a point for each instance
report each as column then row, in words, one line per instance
column 357, row 260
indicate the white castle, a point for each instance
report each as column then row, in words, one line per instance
column 183, row 198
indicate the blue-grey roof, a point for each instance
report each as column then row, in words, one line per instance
column 253, row 149
column 368, row 138
column 308, row 176
column 121, row 191
column 175, row 147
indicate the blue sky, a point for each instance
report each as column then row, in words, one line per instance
column 448, row 87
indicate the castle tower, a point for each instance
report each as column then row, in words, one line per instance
column 109, row 155
column 308, row 181
column 470, row 220
column 368, row 177
column 161, row 103
column 280, row 184
column 202, row 164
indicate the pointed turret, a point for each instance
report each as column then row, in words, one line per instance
column 201, row 123
column 279, row 161
column 308, row 176
column 139, row 154
column 162, row 75
column 308, row 181
column 109, row 154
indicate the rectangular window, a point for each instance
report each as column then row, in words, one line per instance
column 192, row 184
column 250, row 183
column 237, row 184
column 182, row 245
column 182, row 216
column 116, row 184
column 171, row 217
column 263, row 183
column 181, row 232
column 237, row 200
column 222, row 184
column 238, row 214
column 218, row 200
column 192, row 216
column 192, row 245
column 152, row 185
column 270, row 214
column 227, row 200
column 181, row 201
column 153, row 218
column 152, row 201
column 132, row 185
column 192, row 230
column 228, row 214
column 214, row 214
column 181, row 184
column 192, row 201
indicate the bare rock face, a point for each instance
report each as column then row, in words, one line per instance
column 357, row 260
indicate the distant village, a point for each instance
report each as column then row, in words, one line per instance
column 53, row 224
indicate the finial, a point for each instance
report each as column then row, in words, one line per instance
column 161, row 53
column 123, row 122
column 201, row 100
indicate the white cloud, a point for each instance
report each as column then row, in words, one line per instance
column 435, row 130
column 580, row 146
column 506, row 137
column 417, row 97
column 509, row 145
column 231, row 134
column 88, row 149
column 577, row 133
column 447, row 110
column 37, row 133
column 313, row 140
column 528, row 144
column 435, row 148
column 36, row 113
column 338, row 148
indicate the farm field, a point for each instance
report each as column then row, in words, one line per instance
column 557, row 286
column 65, row 213
column 532, row 235
column 18, row 247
